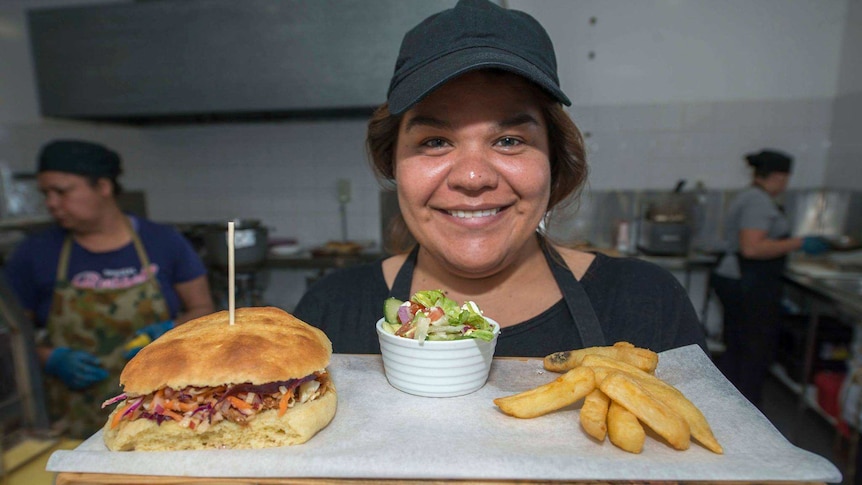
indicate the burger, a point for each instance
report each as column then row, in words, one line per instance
column 260, row 382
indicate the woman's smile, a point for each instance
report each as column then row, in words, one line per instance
column 468, row 214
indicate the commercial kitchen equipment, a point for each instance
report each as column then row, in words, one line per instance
column 251, row 244
column 666, row 223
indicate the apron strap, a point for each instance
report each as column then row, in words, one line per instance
column 63, row 265
column 586, row 322
column 66, row 251
column 139, row 246
column 404, row 278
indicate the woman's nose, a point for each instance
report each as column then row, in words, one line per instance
column 473, row 170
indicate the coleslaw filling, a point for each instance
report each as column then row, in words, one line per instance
column 198, row 408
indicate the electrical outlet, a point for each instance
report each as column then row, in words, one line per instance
column 343, row 191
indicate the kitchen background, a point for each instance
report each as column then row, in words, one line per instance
column 664, row 90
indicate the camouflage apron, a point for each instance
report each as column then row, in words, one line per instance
column 99, row 321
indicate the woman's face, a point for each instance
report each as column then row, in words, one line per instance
column 775, row 183
column 71, row 199
column 473, row 171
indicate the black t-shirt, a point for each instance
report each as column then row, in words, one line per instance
column 634, row 301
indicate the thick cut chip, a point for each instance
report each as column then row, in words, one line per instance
column 664, row 392
column 567, row 389
column 643, row 359
column 658, row 416
column 624, row 429
column 594, row 414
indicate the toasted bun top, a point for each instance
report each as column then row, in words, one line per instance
column 264, row 345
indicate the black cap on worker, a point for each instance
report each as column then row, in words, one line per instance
column 475, row 34
column 79, row 157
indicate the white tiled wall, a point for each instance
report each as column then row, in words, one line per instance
column 282, row 173
column 845, row 157
column 653, row 146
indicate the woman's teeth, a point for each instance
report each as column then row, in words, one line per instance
column 472, row 214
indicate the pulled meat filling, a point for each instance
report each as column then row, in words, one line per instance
column 198, row 408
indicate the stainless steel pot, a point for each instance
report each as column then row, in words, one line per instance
column 251, row 241
column 844, row 242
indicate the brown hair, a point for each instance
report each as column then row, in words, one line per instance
column 567, row 158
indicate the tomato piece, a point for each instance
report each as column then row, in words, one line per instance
column 416, row 308
column 435, row 314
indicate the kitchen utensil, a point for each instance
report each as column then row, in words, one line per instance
column 251, row 244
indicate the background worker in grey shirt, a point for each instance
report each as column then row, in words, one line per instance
column 747, row 280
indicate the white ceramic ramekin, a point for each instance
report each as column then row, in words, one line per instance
column 436, row 368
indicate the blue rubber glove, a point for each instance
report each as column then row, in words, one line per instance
column 76, row 368
column 152, row 331
column 156, row 330
column 814, row 245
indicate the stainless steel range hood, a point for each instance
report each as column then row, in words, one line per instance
column 219, row 60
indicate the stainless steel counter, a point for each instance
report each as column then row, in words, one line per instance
column 844, row 291
column 823, row 291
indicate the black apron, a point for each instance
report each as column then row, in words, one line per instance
column 577, row 301
column 752, row 318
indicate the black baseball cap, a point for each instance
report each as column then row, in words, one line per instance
column 475, row 34
column 770, row 161
column 79, row 157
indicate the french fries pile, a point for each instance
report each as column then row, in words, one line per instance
column 621, row 394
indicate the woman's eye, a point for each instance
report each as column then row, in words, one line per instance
column 508, row 141
column 434, row 143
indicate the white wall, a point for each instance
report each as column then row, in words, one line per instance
column 845, row 155
column 683, row 89
column 672, row 51
column 283, row 173
column 677, row 89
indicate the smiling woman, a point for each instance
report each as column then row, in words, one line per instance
column 475, row 138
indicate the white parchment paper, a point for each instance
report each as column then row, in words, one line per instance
column 380, row 432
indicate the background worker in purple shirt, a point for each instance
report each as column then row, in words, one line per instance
column 96, row 280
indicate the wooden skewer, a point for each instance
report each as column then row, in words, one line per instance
column 230, row 271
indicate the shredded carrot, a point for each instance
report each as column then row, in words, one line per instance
column 119, row 415
column 282, row 403
column 238, row 403
column 185, row 406
column 179, row 405
column 172, row 415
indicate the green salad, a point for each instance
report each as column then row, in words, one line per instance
column 429, row 315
